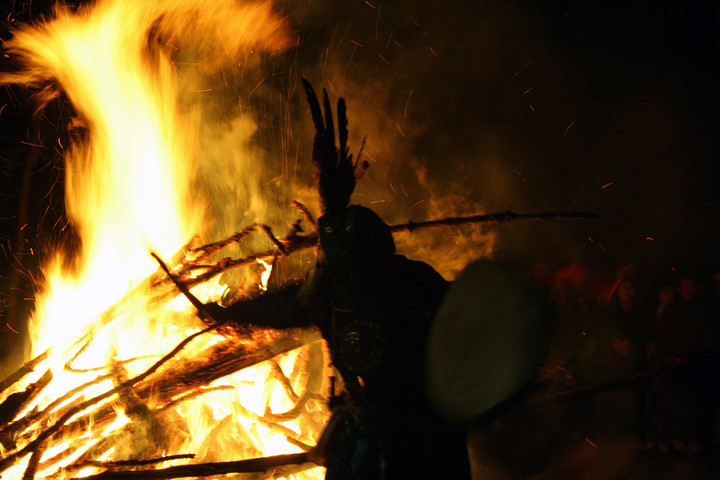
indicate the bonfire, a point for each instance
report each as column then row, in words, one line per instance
column 124, row 378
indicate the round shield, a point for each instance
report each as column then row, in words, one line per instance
column 487, row 341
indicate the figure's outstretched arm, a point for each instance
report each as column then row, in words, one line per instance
column 282, row 309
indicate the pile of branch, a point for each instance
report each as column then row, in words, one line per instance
column 148, row 398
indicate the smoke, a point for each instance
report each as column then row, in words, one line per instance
column 484, row 106
column 412, row 82
column 412, row 76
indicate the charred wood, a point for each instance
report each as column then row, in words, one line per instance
column 17, row 401
column 264, row 464
column 26, row 368
column 123, row 464
column 31, row 469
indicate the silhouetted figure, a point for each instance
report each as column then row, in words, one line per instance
column 374, row 308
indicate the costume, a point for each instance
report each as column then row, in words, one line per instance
column 377, row 342
column 374, row 308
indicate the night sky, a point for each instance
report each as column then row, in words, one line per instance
column 606, row 107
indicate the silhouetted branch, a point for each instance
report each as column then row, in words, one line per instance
column 506, row 216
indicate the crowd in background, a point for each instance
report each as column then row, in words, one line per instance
column 650, row 349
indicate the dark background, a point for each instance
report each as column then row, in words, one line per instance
column 607, row 107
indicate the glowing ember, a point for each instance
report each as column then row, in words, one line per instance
column 128, row 192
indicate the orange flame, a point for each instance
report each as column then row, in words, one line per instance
column 128, row 193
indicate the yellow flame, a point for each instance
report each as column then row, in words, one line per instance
column 265, row 275
column 128, row 192
column 128, row 184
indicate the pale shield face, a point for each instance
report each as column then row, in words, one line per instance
column 487, row 341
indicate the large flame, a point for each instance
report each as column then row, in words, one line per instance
column 128, row 192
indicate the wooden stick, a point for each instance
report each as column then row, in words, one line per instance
column 135, row 463
column 32, row 466
column 596, row 388
column 273, row 423
column 194, row 394
column 280, row 376
column 278, row 244
column 17, row 401
column 262, row 464
column 506, row 216
column 200, row 306
column 308, row 216
column 204, row 251
column 26, row 368
column 14, row 429
column 102, row 368
column 72, row 448
column 303, row 242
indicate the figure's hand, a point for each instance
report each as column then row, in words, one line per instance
column 213, row 312
column 330, row 436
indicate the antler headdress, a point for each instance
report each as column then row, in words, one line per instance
column 336, row 171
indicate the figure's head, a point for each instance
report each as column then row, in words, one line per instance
column 666, row 295
column 626, row 291
column 687, row 288
column 354, row 239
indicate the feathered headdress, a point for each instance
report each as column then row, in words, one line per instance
column 336, row 172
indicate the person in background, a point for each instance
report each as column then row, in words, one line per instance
column 623, row 334
column 685, row 344
column 666, row 296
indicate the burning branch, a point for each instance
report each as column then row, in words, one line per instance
column 28, row 367
column 292, row 242
column 136, row 463
column 33, row 463
column 17, row 401
column 253, row 465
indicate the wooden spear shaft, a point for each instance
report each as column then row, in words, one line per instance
column 507, row 216
column 304, row 242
